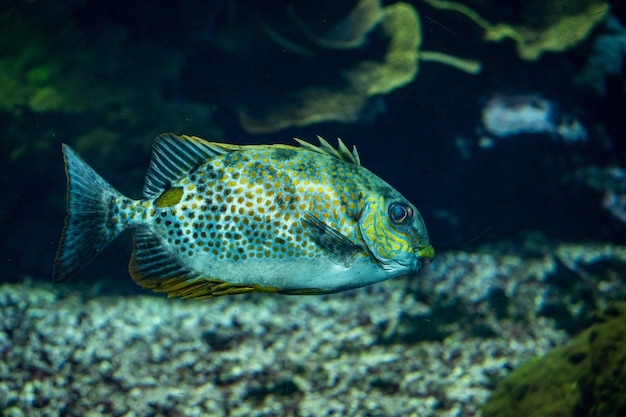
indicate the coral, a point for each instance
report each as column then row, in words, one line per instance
column 507, row 115
column 586, row 377
column 552, row 26
column 318, row 103
column 400, row 24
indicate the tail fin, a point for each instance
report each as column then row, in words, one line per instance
column 88, row 225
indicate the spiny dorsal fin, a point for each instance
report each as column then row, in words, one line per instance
column 173, row 157
column 341, row 152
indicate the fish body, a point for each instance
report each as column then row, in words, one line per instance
column 222, row 219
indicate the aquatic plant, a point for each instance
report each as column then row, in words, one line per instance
column 344, row 99
column 550, row 26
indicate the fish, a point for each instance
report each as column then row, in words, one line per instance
column 218, row 219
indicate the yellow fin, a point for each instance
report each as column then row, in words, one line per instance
column 153, row 267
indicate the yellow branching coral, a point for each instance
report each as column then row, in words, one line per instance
column 399, row 66
column 561, row 30
column 399, row 23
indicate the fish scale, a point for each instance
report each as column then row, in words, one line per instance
column 222, row 219
column 243, row 206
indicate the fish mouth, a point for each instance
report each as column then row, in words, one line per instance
column 425, row 252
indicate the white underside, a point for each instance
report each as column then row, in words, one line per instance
column 295, row 274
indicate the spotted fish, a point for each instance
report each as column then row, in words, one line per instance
column 222, row 219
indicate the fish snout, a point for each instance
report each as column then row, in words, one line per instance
column 425, row 252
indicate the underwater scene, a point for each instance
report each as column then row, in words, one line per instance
column 282, row 208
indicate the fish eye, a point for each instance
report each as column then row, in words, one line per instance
column 400, row 213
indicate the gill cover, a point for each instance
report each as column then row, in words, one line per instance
column 387, row 244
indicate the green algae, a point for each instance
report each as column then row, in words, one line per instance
column 585, row 377
column 602, row 388
column 92, row 80
column 550, row 26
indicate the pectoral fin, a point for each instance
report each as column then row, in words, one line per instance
column 341, row 249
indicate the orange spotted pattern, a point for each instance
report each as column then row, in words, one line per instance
column 246, row 205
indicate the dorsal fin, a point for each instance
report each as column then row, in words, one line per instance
column 173, row 157
column 341, row 152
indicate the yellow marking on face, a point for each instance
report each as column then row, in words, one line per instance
column 384, row 241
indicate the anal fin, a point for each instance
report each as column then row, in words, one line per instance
column 153, row 267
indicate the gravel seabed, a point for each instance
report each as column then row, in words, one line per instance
column 361, row 353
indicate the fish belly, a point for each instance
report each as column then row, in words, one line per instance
column 289, row 275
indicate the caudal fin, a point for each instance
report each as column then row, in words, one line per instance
column 89, row 225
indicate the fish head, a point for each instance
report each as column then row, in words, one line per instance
column 395, row 234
